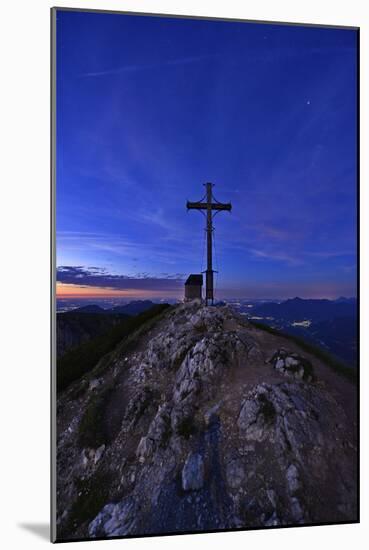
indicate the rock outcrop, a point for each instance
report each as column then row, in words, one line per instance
column 198, row 429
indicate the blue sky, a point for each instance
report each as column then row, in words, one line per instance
column 150, row 108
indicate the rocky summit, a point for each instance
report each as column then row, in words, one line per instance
column 201, row 421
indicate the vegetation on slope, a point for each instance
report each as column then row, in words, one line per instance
column 90, row 322
column 321, row 354
column 76, row 327
column 77, row 362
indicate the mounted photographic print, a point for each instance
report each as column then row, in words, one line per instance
column 204, row 275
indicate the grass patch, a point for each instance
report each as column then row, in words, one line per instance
column 87, row 324
column 146, row 399
column 79, row 361
column 319, row 353
column 308, row 370
column 94, row 493
column 92, row 431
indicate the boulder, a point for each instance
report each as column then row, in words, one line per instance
column 114, row 519
column 145, row 448
column 98, row 454
column 257, row 415
column 292, row 365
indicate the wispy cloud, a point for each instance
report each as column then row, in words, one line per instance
column 168, row 247
column 299, row 258
column 278, row 256
column 331, row 254
column 144, row 67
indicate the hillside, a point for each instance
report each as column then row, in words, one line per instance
column 204, row 422
column 79, row 360
column 75, row 327
column 328, row 324
column 131, row 308
column 84, row 323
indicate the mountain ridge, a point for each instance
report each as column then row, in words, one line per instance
column 206, row 423
column 131, row 308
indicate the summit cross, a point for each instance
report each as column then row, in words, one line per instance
column 210, row 205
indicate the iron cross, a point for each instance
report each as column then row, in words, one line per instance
column 210, row 205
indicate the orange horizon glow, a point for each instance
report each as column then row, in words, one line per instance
column 64, row 290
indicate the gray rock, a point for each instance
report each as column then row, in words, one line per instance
column 98, row 454
column 197, row 322
column 292, row 365
column 248, row 414
column 291, row 361
column 159, row 427
column 280, row 364
column 235, row 473
column 211, row 414
column 272, row 497
column 114, row 519
column 292, row 476
column 272, row 521
column 85, row 457
column 296, row 510
column 145, row 449
column 256, row 415
column 95, row 383
column 193, row 472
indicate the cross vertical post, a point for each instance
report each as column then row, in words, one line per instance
column 209, row 238
column 209, row 206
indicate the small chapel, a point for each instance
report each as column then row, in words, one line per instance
column 193, row 287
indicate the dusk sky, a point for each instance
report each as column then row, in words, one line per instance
column 151, row 108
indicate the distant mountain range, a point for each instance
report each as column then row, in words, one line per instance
column 298, row 309
column 330, row 324
column 133, row 308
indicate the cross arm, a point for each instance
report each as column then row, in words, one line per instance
column 222, row 206
column 196, row 205
column 204, row 206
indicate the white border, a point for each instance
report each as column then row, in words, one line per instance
column 24, row 302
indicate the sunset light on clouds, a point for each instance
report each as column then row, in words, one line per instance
column 80, row 292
